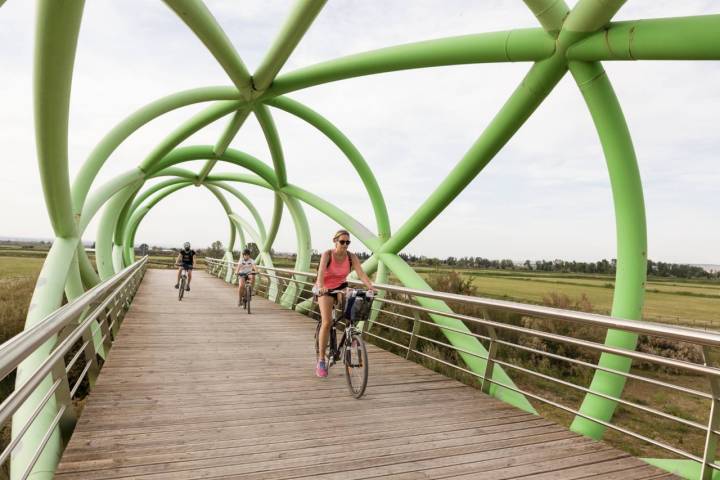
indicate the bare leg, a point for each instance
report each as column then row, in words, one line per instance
column 326, row 305
column 178, row 275
column 241, row 288
column 189, row 277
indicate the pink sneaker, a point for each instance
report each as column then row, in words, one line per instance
column 321, row 369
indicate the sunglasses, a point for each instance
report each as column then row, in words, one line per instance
column 344, row 242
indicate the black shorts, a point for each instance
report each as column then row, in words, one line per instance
column 341, row 287
column 186, row 266
column 244, row 275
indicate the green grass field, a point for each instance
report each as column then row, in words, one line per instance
column 684, row 303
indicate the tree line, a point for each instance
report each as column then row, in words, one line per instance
column 604, row 266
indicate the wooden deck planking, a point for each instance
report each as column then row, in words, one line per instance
column 199, row 389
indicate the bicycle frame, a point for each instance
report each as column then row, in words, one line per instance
column 337, row 349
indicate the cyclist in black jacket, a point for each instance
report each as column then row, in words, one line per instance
column 186, row 261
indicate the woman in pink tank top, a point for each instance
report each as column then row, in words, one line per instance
column 335, row 266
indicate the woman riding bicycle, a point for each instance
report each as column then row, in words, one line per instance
column 335, row 266
column 246, row 273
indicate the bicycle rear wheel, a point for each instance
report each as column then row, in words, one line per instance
column 356, row 366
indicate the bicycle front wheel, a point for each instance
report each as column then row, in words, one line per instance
column 248, row 296
column 181, row 292
column 356, row 366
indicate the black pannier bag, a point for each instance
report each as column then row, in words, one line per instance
column 357, row 306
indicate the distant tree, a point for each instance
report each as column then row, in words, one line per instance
column 216, row 250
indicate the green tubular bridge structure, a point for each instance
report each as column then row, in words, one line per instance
column 568, row 40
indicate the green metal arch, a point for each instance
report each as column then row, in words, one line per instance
column 569, row 40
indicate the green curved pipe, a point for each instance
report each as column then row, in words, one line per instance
column 631, row 235
column 57, row 30
column 411, row 279
column 264, row 118
column 351, row 152
column 249, row 205
column 536, row 85
column 274, row 222
column 294, row 28
column 521, row 45
column 109, row 143
column 203, row 152
column 187, row 129
column 583, row 34
column 138, row 214
column 680, row 38
column 104, row 240
column 302, row 258
column 196, row 16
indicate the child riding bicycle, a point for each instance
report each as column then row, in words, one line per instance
column 245, row 272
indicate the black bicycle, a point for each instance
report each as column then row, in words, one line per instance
column 183, row 283
column 248, row 292
column 351, row 348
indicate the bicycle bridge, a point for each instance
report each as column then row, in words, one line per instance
column 194, row 389
column 197, row 389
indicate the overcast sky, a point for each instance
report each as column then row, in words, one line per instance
column 545, row 195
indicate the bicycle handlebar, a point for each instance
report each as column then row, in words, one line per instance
column 358, row 292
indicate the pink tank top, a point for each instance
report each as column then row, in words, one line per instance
column 336, row 273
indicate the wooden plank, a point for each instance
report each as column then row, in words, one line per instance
column 199, row 389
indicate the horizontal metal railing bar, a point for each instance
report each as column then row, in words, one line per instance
column 636, row 326
column 447, row 345
column 379, row 324
column 444, row 362
column 638, row 436
column 43, row 442
column 567, row 409
column 17, row 349
column 286, row 279
column 72, row 361
column 80, row 378
column 573, row 360
column 386, row 340
column 653, row 381
column 21, row 394
column 697, row 368
column 456, row 330
column 568, row 384
column 622, row 401
column 395, row 314
column 18, row 436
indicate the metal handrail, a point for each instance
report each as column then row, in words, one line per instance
column 706, row 340
column 683, row 334
column 103, row 306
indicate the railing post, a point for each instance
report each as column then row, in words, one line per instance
column 300, row 288
column 490, row 364
column 62, row 396
column 91, row 356
column 711, row 358
column 413, row 336
column 105, row 330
